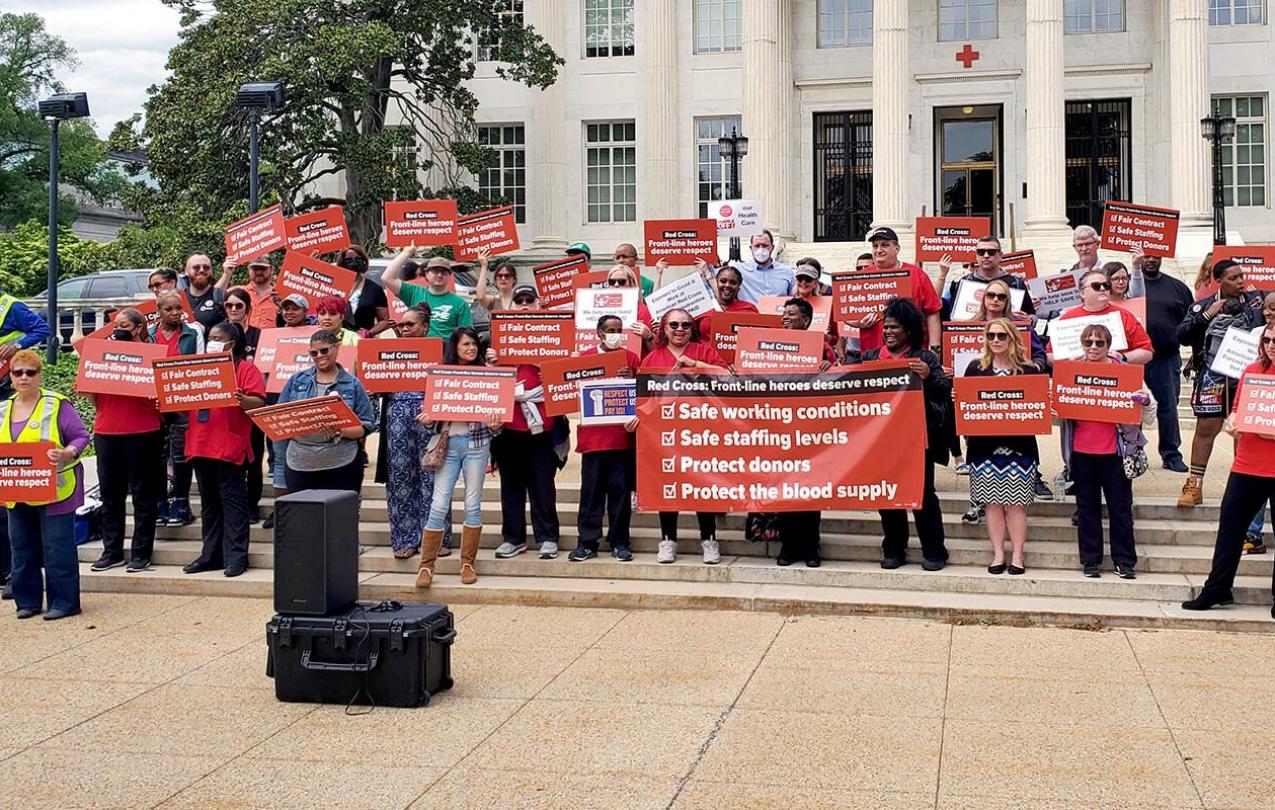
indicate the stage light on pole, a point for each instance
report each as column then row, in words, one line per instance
column 733, row 148
column 55, row 110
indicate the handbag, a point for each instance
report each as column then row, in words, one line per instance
column 1135, row 463
column 435, row 451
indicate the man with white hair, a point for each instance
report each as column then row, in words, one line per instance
column 1084, row 240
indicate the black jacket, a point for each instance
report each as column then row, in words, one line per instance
column 938, row 401
column 1244, row 312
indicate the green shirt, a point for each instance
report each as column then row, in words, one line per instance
column 648, row 285
column 447, row 311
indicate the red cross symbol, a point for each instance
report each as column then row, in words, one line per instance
column 967, row 56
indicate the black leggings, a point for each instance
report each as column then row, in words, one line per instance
column 707, row 525
column 348, row 477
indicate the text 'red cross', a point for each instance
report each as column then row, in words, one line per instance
column 967, row 56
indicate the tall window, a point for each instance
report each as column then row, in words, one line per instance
column 844, row 22
column 488, row 42
column 1099, row 157
column 1244, row 158
column 1093, row 16
column 608, row 27
column 709, row 172
column 719, row 25
column 610, row 159
column 1235, row 12
column 843, row 176
column 967, row 19
column 505, row 178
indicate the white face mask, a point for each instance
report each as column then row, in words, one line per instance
column 761, row 255
column 613, row 340
column 214, row 346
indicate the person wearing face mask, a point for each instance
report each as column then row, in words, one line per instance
column 762, row 274
column 369, row 311
column 608, row 465
column 506, row 278
column 1168, row 301
column 238, row 308
column 179, row 338
column 726, row 284
column 129, row 445
column 331, row 313
column 1213, row 394
column 263, row 304
column 449, row 310
column 205, row 300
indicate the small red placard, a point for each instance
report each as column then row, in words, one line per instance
column 726, row 326
column 1097, row 392
column 118, row 367
column 195, row 382
column 1021, row 264
column 555, row 280
column 680, row 241
column 424, row 223
column 778, row 351
column 322, row 231
column 388, row 366
column 955, row 236
column 303, row 417
column 255, row 235
column 313, row 278
column 494, row 231
column 561, row 378
column 1017, row 405
column 1255, row 408
column 532, row 336
column 1125, row 226
column 866, row 292
column 26, row 473
column 469, row 393
column 1258, row 262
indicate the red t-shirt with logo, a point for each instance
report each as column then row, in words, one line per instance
column 224, row 433
column 923, row 295
column 1254, row 454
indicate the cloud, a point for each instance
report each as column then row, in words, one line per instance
column 122, row 46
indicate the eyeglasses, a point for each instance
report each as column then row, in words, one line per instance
column 200, row 267
column 229, row 305
column 522, row 299
column 991, row 296
column 1268, row 341
column 680, row 326
column 1099, row 286
column 323, row 352
column 617, row 282
column 987, row 251
column 506, row 275
column 998, row 335
column 156, row 287
column 24, row 372
column 1096, row 344
column 1086, row 243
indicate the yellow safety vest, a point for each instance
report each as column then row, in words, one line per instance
column 41, row 427
column 6, row 303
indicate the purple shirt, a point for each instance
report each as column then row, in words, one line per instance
column 71, row 428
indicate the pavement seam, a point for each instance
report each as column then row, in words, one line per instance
column 947, row 686
column 1172, row 736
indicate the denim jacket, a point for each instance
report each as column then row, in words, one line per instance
column 304, row 385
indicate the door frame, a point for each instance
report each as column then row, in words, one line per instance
column 993, row 112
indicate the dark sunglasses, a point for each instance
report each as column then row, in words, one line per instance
column 987, row 251
column 229, row 305
column 1097, row 344
column 1099, row 286
column 998, row 335
column 24, row 372
column 991, row 296
column 680, row 326
column 617, row 282
column 523, row 299
column 1268, row 341
column 201, row 267
column 323, row 352
column 506, row 275
column 155, row 287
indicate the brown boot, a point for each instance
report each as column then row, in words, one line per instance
column 469, row 553
column 430, row 541
column 1192, row 493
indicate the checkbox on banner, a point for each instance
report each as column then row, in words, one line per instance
column 668, row 465
column 667, row 411
column 668, row 438
column 670, row 490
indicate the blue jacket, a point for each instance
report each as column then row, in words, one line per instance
column 35, row 330
column 304, row 385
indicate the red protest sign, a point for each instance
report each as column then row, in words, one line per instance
column 424, row 223
column 726, row 326
column 965, row 339
column 956, row 236
column 118, row 367
column 680, row 241
column 561, row 378
column 1255, row 408
column 469, row 393
column 255, row 235
column 830, row 439
column 313, row 278
column 1017, row 405
column 1125, row 226
column 1021, row 264
column 494, row 231
column 302, row 417
column 323, row 230
column 595, row 278
column 1258, row 262
column 195, row 382
column 1097, row 392
column 820, row 305
column 387, row 366
column 778, row 351
column 26, row 473
column 555, row 280
column 274, row 341
column 866, row 292
column 531, row 336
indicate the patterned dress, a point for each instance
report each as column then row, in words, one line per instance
column 1004, row 477
column 409, row 487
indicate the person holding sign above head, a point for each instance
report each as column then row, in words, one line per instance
column 447, row 309
column 368, row 313
column 220, row 447
column 677, row 350
column 43, row 533
column 726, row 285
column 331, row 313
column 1251, row 486
column 129, row 442
column 885, row 256
column 506, row 277
column 762, row 274
column 1100, row 455
column 1213, row 394
column 1003, row 468
column 180, row 338
column 1167, row 303
column 607, row 465
column 468, row 451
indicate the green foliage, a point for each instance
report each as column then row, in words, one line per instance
column 24, row 253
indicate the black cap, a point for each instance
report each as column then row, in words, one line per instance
column 525, row 289
column 882, row 233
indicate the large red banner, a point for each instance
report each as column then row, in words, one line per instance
column 531, row 336
column 313, row 278
column 26, row 473
column 1097, row 392
column 778, row 351
column 318, row 231
column 1017, row 405
column 955, row 236
column 255, row 235
column 680, row 241
column 555, row 280
column 1255, row 408
column 424, row 223
column 494, row 231
column 303, row 417
column 866, row 292
column 1125, row 226
column 469, row 393
column 719, row 443
column 1258, row 262
column 726, row 326
column 388, row 366
column 195, row 382
column 118, row 367
column 561, row 378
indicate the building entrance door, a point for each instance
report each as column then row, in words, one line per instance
column 969, row 150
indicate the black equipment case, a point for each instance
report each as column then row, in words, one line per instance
column 386, row 654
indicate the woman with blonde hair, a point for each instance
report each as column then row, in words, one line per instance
column 1205, row 274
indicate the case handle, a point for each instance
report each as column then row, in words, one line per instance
column 333, row 666
column 445, row 637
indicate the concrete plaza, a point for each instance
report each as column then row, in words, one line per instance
column 162, row 701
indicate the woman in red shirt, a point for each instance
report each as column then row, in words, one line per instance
column 676, row 348
column 130, row 459
column 218, row 444
column 727, row 284
column 1250, row 486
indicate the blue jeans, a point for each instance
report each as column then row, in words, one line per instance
column 1164, row 378
column 43, row 540
column 472, row 461
column 1259, row 523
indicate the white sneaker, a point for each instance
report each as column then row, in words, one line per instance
column 712, row 553
column 667, row 552
column 548, row 550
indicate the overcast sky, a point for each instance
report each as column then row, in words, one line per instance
column 122, row 46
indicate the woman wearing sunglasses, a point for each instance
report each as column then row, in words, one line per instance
column 1003, row 468
column 331, row 458
column 678, row 349
column 1095, row 300
column 620, row 277
column 42, row 533
column 506, row 278
column 1250, row 487
column 1095, row 453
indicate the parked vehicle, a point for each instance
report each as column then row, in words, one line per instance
column 111, row 285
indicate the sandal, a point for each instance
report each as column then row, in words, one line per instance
column 405, row 553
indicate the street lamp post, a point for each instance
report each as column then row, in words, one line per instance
column 255, row 97
column 1217, row 130
column 733, row 148
column 55, row 110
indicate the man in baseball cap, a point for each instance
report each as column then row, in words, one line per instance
column 885, row 257
column 576, row 248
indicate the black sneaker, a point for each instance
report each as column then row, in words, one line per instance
column 580, row 554
column 975, row 514
column 1093, row 571
column 268, row 523
column 106, row 562
column 1126, row 572
column 162, row 515
column 890, row 563
column 180, row 514
column 622, row 553
column 1176, row 465
column 138, row 564
column 1042, row 491
column 933, row 565
column 198, row 567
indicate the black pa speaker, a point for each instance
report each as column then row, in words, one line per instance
column 316, row 552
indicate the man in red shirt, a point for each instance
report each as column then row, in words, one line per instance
column 1095, row 301
column 885, row 256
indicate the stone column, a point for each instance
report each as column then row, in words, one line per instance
column 767, row 106
column 890, row 89
column 1045, row 224
column 1188, row 90
column 546, row 141
column 659, row 125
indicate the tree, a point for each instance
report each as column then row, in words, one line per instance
column 29, row 57
column 376, row 91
